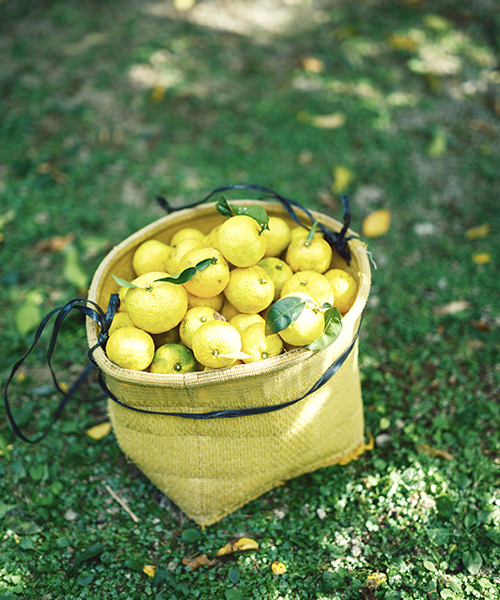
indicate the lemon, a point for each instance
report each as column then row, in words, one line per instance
column 309, row 256
column 187, row 233
column 278, row 271
column 194, row 318
column 250, row 289
column 243, row 320
column 167, row 337
column 308, row 327
column 121, row 319
column 151, row 256
column 240, row 242
column 228, row 310
column 178, row 252
column 212, row 280
column 299, row 231
column 130, row 348
column 155, row 306
column 212, row 239
column 121, row 295
column 344, row 287
column 337, row 261
column 215, row 302
column 277, row 236
column 173, row 358
column 312, row 283
column 214, row 341
column 259, row 346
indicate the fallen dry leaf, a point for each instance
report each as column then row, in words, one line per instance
column 368, row 593
column 376, row 223
column 481, row 258
column 158, row 93
column 150, row 570
column 482, row 325
column 401, row 42
column 238, row 546
column 313, row 65
column 278, row 568
column 56, row 243
column 475, row 344
column 480, row 125
column 333, row 121
column 452, row 308
column 98, row 432
column 479, row 232
column 435, row 452
column 342, row 177
column 198, row 561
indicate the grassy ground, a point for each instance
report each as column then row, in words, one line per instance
column 105, row 105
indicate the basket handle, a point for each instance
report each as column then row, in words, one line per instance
column 336, row 240
column 95, row 312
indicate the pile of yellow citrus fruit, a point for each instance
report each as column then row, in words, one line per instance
column 217, row 318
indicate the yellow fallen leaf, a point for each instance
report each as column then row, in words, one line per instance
column 333, row 121
column 436, row 452
column 278, row 568
column 64, row 386
column 239, row 545
column 401, row 42
column 376, row 579
column 183, row 5
column 377, row 223
column 481, row 258
column 452, row 308
column 158, row 93
column 357, row 452
column 150, row 570
column 342, row 177
column 313, row 65
column 481, row 231
column 193, row 564
column 98, row 432
column 9, row 447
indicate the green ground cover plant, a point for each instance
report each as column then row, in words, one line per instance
column 106, row 105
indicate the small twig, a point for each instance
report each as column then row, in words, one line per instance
column 122, row 503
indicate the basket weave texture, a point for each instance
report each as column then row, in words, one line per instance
column 210, row 468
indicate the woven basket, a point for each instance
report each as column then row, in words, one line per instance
column 210, row 468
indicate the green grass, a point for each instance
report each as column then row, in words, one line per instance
column 85, row 145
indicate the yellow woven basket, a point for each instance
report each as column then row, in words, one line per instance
column 212, row 467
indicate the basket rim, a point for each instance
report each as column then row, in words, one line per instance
column 227, row 373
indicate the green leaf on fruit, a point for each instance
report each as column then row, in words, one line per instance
column 333, row 327
column 257, row 213
column 188, row 273
column 311, row 234
column 283, row 313
column 122, row 282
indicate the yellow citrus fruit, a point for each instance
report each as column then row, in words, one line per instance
column 309, row 256
column 194, row 318
column 337, row 261
column 344, row 287
column 121, row 319
column 308, row 327
column 167, row 337
column 240, row 242
column 277, row 236
column 215, row 302
column 173, row 264
column 173, row 358
column 312, row 283
column 299, row 231
column 121, row 295
column 258, row 345
column 151, row 256
column 243, row 320
column 278, row 271
column 250, row 289
column 187, row 233
column 155, row 306
column 214, row 342
column 228, row 310
column 212, row 239
column 212, row 280
column 130, row 348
